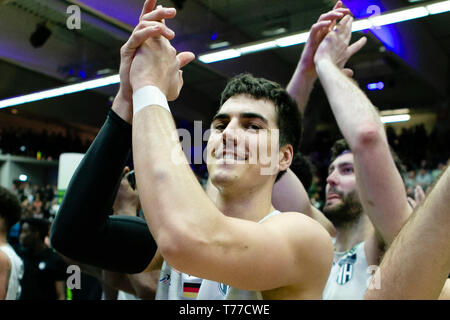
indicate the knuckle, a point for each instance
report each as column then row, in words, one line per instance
column 140, row 25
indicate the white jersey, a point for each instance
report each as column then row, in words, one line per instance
column 349, row 277
column 175, row 285
column 122, row 295
column 16, row 274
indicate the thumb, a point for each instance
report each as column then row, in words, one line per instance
column 185, row 57
column 355, row 47
column 348, row 72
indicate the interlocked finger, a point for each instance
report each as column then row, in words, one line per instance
column 318, row 31
column 153, row 29
column 148, row 7
column 159, row 14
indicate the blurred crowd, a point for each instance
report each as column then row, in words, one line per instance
column 42, row 145
column 36, row 201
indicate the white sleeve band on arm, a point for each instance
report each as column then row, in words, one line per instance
column 149, row 96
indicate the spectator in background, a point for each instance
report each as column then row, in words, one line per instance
column 11, row 266
column 45, row 272
column 315, row 191
column 37, row 206
column 54, row 207
column 424, row 178
column 27, row 191
column 302, row 168
column 410, row 180
column 316, row 201
column 437, row 172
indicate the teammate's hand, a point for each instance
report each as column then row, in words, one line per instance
column 335, row 46
column 419, row 194
column 318, row 31
column 156, row 63
column 150, row 25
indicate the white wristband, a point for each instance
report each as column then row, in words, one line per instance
column 149, row 96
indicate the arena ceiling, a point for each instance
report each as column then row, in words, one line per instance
column 412, row 63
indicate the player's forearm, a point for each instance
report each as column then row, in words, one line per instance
column 83, row 229
column 418, row 262
column 355, row 115
column 123, row 107
column 173, row 201
column 381, row 189
column 300, row 87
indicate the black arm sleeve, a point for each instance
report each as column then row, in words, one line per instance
column 83, row 229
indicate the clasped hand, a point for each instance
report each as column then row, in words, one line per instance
column 335, row 46
column 148, row 58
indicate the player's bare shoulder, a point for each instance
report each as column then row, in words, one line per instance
column 5, row 263
column 311, row 246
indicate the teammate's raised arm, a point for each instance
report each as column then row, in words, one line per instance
column 304, row 77
column 417, row 264
column 381, row 188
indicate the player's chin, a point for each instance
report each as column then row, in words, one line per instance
column 332, row 203
column 228, row 169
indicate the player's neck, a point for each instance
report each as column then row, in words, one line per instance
column 350, row 234
column 251, row 204
column 3, row 233
column 3, row 239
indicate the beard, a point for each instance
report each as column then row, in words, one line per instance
column 346, row 212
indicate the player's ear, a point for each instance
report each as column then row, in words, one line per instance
column 286, row 156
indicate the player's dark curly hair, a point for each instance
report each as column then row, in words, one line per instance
column 10, row 209
column 42, row 226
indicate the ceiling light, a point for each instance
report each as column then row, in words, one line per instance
column 394, row 17
column 409, row 13
column 395, row 118
column 105, row 71
column 219, row 56
column 292, row 40
column 217, row 45
column 375, row 86
column 258, row 47
column 394, row 112
column 362, row 24
column 60, row 91
column 439, row 7
column 274, row 31
column 399, row 16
